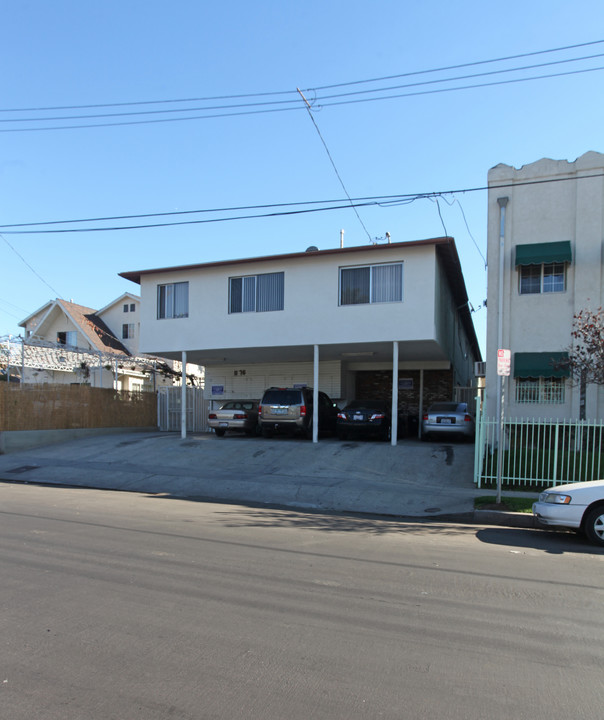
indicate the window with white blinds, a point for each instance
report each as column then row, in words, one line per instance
column 371, row 284
column 256, row 293
column 173, row 300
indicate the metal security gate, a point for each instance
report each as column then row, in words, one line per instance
column 538, row 452
column 169, row 404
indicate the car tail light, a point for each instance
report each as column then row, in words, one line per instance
column 467, row 418
column 425, row 416
column 302, row 410
column 378, row 416
column 240, row 416
column 259, row 409
column 212, row 416
column 342, row 416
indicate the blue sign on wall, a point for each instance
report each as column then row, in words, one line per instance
column 217, row 389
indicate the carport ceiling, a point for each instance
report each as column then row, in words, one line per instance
column 423, row 351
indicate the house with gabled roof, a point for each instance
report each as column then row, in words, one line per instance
column 68, row 343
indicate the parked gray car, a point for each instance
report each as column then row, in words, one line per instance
column 448, row 418
column 240, row 415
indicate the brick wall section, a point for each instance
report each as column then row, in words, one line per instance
column 377, row 385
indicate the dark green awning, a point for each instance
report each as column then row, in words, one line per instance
column 549, row 252
column 540, row 364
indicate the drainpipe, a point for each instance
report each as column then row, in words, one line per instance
column 502, row 202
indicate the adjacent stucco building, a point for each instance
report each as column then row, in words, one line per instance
column 545, row 243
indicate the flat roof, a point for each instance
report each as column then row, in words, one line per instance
column 135, row 275
column 445, row 249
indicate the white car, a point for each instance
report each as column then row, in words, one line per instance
column 579, row 506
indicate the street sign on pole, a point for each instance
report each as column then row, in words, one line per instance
column 504, row 361
column 503, row 369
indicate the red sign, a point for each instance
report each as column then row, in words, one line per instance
column 504, row 360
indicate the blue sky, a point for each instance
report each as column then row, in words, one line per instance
column 68, row 53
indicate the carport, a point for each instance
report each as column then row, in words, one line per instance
column 359, row 357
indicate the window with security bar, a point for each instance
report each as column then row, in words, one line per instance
column 540, row 391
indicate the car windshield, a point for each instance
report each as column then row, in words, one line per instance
column 282, row 397
column 444, row 407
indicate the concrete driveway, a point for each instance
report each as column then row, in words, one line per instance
column 413, row 479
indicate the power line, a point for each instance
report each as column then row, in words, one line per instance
column 460, row 87
column 296, row 102
column 333, row 164
column 337, row 204
column 462, row 65
column 282, row 109
column 306, row 90
column 319, row 103
column 29, row 266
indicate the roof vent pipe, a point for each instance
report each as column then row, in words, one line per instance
column 388, row 237
column 341, row 239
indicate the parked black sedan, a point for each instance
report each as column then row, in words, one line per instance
column 364, row 418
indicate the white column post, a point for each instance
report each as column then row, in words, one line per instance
column 315, row 395
column 394, row 430
column 421, row 402
column 183, row 397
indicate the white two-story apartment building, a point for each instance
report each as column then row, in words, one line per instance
column 545, row 258
column 357, row 322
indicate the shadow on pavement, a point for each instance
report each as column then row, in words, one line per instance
column 552, row 542
column 246, row 514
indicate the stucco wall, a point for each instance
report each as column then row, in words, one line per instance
column 225, row 382
column 311, row 312
column 114, row 317
column 570, row 210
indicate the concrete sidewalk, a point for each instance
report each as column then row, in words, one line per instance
column 413, row 479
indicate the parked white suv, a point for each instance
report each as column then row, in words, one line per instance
column 579, row 506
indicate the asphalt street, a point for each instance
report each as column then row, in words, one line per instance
column 124, row 606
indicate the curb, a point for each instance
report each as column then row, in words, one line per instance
column 509, row 519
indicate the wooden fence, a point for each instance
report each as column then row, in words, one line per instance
column 63, row 407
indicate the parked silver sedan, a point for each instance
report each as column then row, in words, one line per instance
column 448, row 418
column 240, row 415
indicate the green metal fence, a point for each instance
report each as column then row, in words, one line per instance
column 538, row 452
